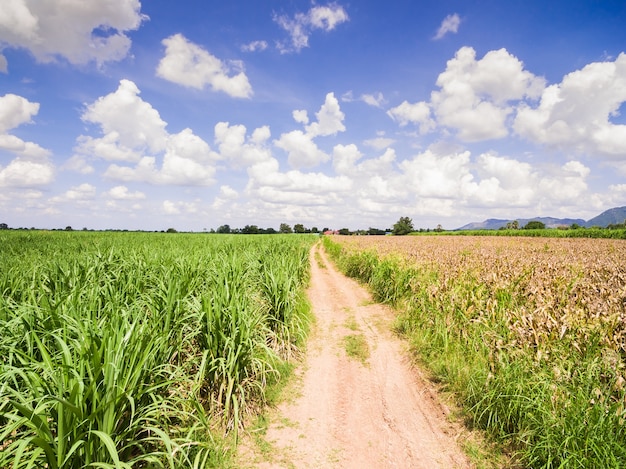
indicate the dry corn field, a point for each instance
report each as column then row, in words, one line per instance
column 570, row 285
column 531, row 332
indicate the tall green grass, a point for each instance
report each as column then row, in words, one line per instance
column 126, row 350
column 555, row 402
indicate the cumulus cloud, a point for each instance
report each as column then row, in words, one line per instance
column 474, row 94
column 301, row 116
column 450, row 24
column 300, row 26
column 238, row 150
column 188, row 64
column 176, row 208
column 130, row 125
column 25, row 173
column 454, row 181
column 80, row 32
column 329, row 118
column 302, row 151
column 576, row 113
column 123, row 193
column 31, row 165
column 488, row 98
column 78, row 194
column 475, row 97
column 417, row 113
column 134, row 133
column 15, row 110
column 78, row 164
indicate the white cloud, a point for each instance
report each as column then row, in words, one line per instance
column 15, row 110
column 376, row 100
column 130, row 125
column 228, row 192
column 180, row 165
column 302, row 25
column 254, row 46
column 576, row 113
column 239, row 151
column 475, row 97
column 301, row 116
column 437, row 176
column 379, row 143
column 31, row 166
column 79, row 164
column 188, row 160
column 329, row 119
column 170, row 208
column 345, row 158
column 78, row 194
column 25, row 150
column 450, row 24
column 134, row 133
column 474, row 93
column 80, row 32
column 188, row 64
column 122, row 193
column 417, row 113
column 372, row 99
column 178, row 208
column 302, row 150
column 25, row 173
column 568, row 184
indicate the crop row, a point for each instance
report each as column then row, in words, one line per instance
column 134, row 350
column 529, row 332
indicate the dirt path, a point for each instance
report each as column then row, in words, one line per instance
column 365, row 410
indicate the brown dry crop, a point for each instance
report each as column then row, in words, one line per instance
column 559, row 286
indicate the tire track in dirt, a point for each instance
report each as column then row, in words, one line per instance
column 373, row 412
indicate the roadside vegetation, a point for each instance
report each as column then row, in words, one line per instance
column 123, row 350
column 528, row 333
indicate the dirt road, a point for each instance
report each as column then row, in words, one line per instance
column 358, row 403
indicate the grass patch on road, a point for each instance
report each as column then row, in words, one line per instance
column 356, row 347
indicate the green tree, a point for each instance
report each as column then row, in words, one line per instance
column 315, row 230
column 285, row 228
column 4, row 226
column 250, row 229
column 512, row 225
column 535, row 225
column 224, row 229
column 344, row 231
column 403, row 226
column 299, row 228
column 169, row 230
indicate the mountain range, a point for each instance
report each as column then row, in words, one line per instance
column 611, row 216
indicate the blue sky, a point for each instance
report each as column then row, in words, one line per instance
column 148, row 115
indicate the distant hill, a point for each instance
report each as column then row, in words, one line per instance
column 496, row 224
column 611, row 216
